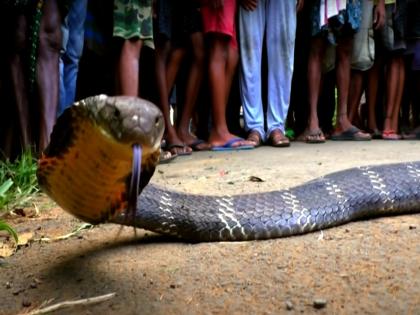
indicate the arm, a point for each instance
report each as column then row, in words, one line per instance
column 379, row 15
column 214, row 4
column 299, row 5
column 250, row 5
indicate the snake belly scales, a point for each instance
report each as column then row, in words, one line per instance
column 87, row 167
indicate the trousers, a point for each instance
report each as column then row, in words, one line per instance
column 72, row 47
column 277, row 21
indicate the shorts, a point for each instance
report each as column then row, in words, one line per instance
column 346, row 23
column 391, row 37
column 133, row 19
column 413, row 48
column 176, row 21
column 363, row 55
column 221, row 21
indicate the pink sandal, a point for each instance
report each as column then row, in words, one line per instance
column 390, row 135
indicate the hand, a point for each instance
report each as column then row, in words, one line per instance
column 216, row 4
column 379, row 15
column 251, row 5
column 299, row 5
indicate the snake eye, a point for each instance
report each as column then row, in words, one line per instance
column 117, row 113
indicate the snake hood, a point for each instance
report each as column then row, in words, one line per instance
column 87, row 165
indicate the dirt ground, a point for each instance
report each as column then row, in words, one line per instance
column 366, row 267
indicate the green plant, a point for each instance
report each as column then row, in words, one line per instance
column 18, row 181
column 6, row 227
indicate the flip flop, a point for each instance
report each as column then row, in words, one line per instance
column 375, row 133
column 312, row 136
column 169, row 147
column 390, row 135
column 165, row 158
column 351, row 134
column 195, row 146
column 230, row 146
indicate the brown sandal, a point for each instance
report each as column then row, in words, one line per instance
column 255, row 137
column 278, row 139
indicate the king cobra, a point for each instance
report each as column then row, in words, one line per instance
column 93, row 169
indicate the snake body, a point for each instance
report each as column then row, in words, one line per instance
column 325, row 202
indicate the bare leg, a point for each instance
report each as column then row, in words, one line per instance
column 400, row 91
column 48, row 71
column 343, row 51
column 371, row 95
column 394, row 96
column 343, row 82
column 232, row 62
column 218, row 79
column 356, row 91
column 175, row 59
column 192, row 89
column 317, row 52
column 19, row 82
column 128, row 67
column 163, row 76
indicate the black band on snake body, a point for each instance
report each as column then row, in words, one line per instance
column 69, row 173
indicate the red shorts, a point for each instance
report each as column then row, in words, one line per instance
column 221, row 21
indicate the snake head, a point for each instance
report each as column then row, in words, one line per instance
column 128, row 120
column 92, row 149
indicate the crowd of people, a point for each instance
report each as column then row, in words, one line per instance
column 237, row 73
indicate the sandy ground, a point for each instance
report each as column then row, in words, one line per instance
column 366, row 267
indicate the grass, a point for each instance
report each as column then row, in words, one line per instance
column 18, row 184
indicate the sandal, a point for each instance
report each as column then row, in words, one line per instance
column 351, row 134
column 278, row 139
column 312, row 136
column 255, row 137
column 390, row 135
column 166, row 157
column 178, row 149
column 375, row 133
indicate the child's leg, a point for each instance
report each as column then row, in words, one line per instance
column 48, row 70
column 175, row 59
column 344, row 50
column 128, row 67
column 343, row 124
column 316, row 55
column 163, row 51
column 231, row 64
column 372, row 94
column 19, row 81
column 356, row 91
column 192, row 89
column 394, row 94
column 219, row 75
column 400, row 91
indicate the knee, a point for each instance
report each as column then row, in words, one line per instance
column 50, row 30
column 20, row 35
column 344, row 50
column 199, row 55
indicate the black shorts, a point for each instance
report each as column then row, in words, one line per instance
column 177, row 20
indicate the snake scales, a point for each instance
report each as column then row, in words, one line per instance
column 87, row 170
